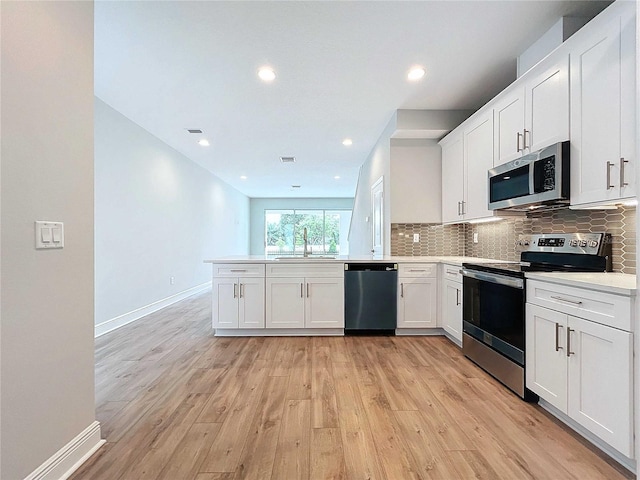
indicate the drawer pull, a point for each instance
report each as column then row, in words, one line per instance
column 569, row 352
column 237, row 270
column 417, row 270
column 558, row 327
column 453, row 272
column 566, row 300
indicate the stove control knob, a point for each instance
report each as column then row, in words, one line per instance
column 525, row 243
column 583, row 243
column 593, row 243
column 573, row 243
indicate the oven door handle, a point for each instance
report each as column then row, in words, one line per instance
column 492, row 278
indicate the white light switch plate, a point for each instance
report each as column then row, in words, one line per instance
column 49, row 234
column 475, row 237
column 416, row 237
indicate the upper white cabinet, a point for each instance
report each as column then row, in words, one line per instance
column 534, row 113
column 603, row 107
column 466, row 157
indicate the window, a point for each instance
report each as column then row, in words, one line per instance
column 327, row 232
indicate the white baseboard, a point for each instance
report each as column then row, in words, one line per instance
column 422, row 332
column 279, row 332
column 132, row 316
column 67, row 460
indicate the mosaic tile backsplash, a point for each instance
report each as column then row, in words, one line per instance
column 499, row 239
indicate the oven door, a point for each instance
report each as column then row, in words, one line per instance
column 493, row 311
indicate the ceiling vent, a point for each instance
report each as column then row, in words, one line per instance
column 295, row 186
column 288, row 159
column 194, row 130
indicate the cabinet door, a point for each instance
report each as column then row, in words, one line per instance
column 324, row 303
column 546, row 361
column 478, row 159
column 596, row 102
column 417, row 303
column 452, row 180
column 452, row 311
column 600, row 382
column 225, row 303
column 285, row 303
column 508, row 114
column 547, row 105
column 251, row 303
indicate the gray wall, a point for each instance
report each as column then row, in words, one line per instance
column 46, row 349
column 377, row 164
column 158, row 214
column 259, row 205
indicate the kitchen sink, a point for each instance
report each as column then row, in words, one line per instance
column 312, row 258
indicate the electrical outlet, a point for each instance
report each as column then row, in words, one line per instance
column 172, row 280
column 475, row 237
column 416, row 237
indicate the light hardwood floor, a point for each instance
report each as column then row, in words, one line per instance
column 176, row 403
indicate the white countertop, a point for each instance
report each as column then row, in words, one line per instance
column 352, row 258
column 611, row 282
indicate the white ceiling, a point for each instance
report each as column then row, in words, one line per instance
column 341, row 72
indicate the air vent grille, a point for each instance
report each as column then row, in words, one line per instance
column 295, row 186
column 287, row 159
column 194, row 130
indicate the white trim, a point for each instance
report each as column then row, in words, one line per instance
column 132, row 316
column 69, row 458
column 279, row 332
column 423, row 332
column 623, row 460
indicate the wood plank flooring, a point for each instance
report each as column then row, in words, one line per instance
column 176, row 403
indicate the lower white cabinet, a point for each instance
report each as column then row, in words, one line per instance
column 238, row 302
column 452, row 302
column 417, row 295
column 305, row 302
column 584, row 369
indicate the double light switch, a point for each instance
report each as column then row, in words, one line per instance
column 49, row 234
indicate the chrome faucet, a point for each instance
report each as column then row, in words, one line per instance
column 306, row 242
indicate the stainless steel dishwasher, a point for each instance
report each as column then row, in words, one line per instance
column 370, row 298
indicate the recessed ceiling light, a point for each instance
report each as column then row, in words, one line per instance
column 243, row 177
column 347, row 142
column 288, row 159
column 415, row 73
column 203, row 142
column 337, row 177
column 267, row 74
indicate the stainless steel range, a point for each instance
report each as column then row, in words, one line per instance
column 494, row 296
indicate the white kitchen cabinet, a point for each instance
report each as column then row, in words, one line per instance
column 603, row 108
column 417, row 296
column 452, row 178
column 452, row 302
column 466, row 158
column 582, row 368
column 314, row 299
column 534, row 113
column 238, row 301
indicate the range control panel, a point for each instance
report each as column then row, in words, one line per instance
column 586, row 243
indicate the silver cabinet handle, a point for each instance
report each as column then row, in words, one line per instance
column 457, row 297
column 459, row 209
column 453, row 272
column 301, row 290
column 622, row 162
column 308, row 288
column 524, row 139
column 518, row 135
column 235, row 290
column 402, row 290
column 464, row 210
column 235, row 271
column 609, row 165
column 558, row 327
column 566, row 300
column 241, row 285
column 569, row 352
column 417, row 270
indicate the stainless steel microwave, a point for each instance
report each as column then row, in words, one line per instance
column 538, row 179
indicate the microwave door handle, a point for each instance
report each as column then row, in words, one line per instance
column 532, row 179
